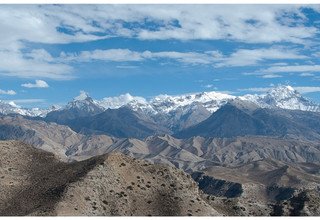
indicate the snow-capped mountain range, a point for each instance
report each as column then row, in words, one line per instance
column 285, row 97
column 7, row 108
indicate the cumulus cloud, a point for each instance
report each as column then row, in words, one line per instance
column 76, row 23
column 62, row 24
column 15, row 63
column 7, row 92
column 37, row 84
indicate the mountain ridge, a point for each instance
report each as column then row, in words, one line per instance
column 281, row 96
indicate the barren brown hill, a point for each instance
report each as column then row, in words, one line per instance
column 33, row 182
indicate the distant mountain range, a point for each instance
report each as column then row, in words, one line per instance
column 277, row 97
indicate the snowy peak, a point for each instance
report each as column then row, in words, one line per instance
column 281, row 93
column 12, row 108
column 285, row 97
column 84, row 103
column 83, row 96
column 210, row 100
column 136, row 103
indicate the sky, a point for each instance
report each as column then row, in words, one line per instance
column 48, row 53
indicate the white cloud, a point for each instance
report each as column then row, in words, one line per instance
column 301, row 89
column 118, row 101
column 27, row 101
column 307, row 89
column 40, row 55
column 7, row 92
column 246, row 23
column 208, row 86
column 14, row 63
column 37, row 84
column 245, row 57
column 82, row 96
column 62, row 24
column 116, row 55
column 121, row 55
column 306, row 74
column 186, row 57
column 242, row 57
column 271, row 76
column 292, row 69
column 255, row 89
column 316, row 54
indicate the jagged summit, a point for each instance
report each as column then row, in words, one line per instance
column 84, row 103
column 82, row 96
column 136, row 103
column 285, row 97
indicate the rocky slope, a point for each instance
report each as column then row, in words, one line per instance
column 50, row 137
column 265, row 187
column 121, row 123
column 33, row 182
column 241, row 118
column 198, row 153
column 189, row 154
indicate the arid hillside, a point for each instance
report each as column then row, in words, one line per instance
column 33, row 182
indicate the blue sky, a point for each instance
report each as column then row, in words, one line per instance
column 48, row 53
